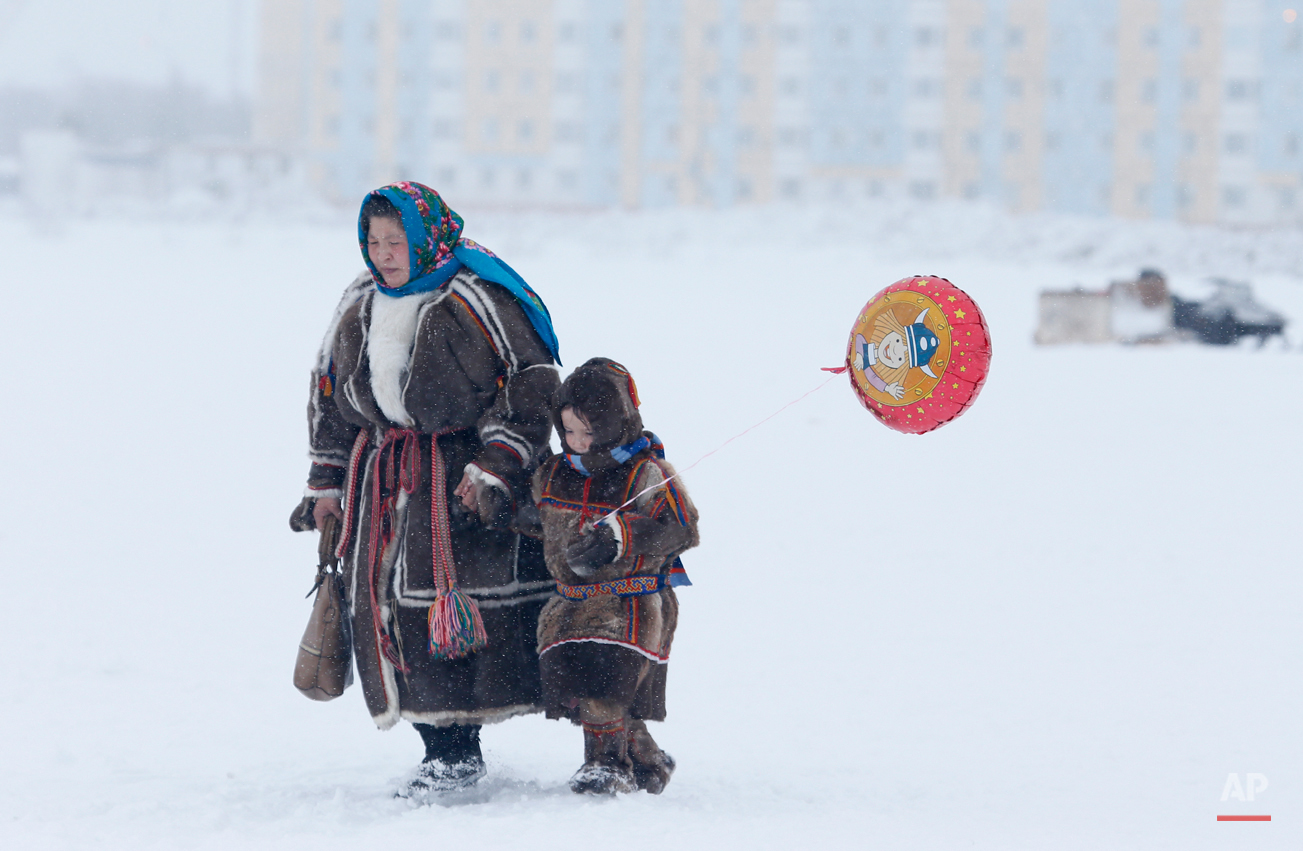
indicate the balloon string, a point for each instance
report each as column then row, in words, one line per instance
column 743, row 433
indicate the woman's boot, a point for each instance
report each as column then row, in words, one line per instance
column 452, row 760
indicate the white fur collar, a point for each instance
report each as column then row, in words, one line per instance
column 389, row 348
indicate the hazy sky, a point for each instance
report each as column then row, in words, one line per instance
column 52, row 42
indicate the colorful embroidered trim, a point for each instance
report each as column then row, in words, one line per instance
column 502, row 445
column 629, row 586
column 570, row 505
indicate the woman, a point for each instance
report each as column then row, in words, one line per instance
column 437, row 370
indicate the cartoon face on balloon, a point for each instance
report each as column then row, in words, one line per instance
column 893, row 349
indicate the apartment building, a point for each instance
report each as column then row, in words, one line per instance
column 1184, row 109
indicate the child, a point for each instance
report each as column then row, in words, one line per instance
column 604, row 641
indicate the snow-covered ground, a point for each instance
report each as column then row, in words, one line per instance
column 1059, row 622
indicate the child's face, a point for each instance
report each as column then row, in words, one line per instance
column 892, row 351
column 578, row 436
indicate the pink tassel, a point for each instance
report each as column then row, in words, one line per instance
column 456, row 628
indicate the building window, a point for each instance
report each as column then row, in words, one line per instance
column 1146, row 142
column 1190, row 142
column 1184, row 196
column 1194, row 37
column 923, row 140
column 492, row 32
column 926, row 36
column 568, row 131
column 790, row 137
column 790, row 86
column 1012, row 141
column 972, row 190
column 1286, row 197
column 491, row 81
column 488, row 178
column 525, row 131
column 975, row 38
column 975, row 88
column 1052, row 140
column 527, row 32
column 489, row 132
column 447, row 177
column 1106, row 90
column 1241, row 89
column 567, row 179
column 524, row 179
column 746, row 84
column 1235, row 143
column 923, row 190
column 746, row 136
column 925, row 88
column 790, row 34
column 1015, row 37
column 974, row 141
column 1106, row 141
column 1142, row 195
column 1234, row 196
column 877, row 87
column 1054, row 88
column 567, row 83
column 743, row 190
column 841, row 36
column 790, row 188
column 873, row 188
column 1151, row 37
column 567, row 32
column 1013, row 86
column 1149, row 91
column 875, row 139
column 1290, row 144
column 1190, row 90
column 526, row 82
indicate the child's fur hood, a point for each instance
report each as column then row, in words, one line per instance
column 603, row 394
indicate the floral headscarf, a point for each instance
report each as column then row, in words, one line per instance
column 436, row 251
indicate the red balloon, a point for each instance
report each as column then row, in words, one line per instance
column 918, row 354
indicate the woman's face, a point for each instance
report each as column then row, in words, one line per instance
column 892, row 351
column 578, row 436
column 386, row 245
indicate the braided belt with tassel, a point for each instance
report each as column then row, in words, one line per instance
column 456, row 627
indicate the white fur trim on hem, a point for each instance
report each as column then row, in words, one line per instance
column 470, row 716
column 658, row 659
column 323, row 493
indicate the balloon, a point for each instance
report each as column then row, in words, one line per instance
column 918, row 354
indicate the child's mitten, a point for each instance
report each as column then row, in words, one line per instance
column 592, row 550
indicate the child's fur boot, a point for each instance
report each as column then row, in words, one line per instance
column 607, row 768
column 652, row 766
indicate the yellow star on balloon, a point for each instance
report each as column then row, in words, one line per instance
column 951, row 298
column 960, row 313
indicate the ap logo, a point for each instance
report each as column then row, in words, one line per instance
column 1254, row 784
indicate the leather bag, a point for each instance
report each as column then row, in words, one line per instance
column 325, row 664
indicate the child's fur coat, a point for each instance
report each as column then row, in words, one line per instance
column 609, row 647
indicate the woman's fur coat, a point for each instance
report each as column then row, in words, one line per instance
column 461, row 365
